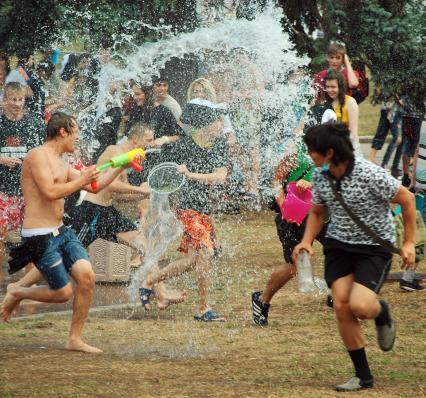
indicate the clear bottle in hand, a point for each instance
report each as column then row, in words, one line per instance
column 304, row 273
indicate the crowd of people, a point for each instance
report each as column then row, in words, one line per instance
column 57, row 120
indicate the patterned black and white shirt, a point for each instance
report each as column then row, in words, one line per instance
column 368, row 190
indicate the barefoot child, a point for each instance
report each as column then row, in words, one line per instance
column 202, row 158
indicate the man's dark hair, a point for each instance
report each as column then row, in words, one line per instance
column 328, row 136
column 200, row 116
column 47, row 67
column 57, row 121
column 160, row 79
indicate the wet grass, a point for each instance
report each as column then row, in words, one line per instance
column 168, row 354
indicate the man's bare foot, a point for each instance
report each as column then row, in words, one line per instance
column 10, row 302
column 171, row 298
column 79, row 345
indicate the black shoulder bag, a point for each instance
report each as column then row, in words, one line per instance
column 365, row 228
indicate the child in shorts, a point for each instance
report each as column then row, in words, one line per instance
column 294, row 167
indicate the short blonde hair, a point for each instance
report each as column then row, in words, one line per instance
column 207, row 86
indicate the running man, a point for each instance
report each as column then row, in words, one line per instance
column 46, row 180
column 356, row 265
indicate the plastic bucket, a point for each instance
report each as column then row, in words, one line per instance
column 165, row 179
column 296, row 205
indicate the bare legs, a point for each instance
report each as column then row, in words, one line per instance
column 85, row 279
column 373, row 154
column 276, row 281
column 352, row 301
column 16, row 293
column 200, row 261
column 129, row 238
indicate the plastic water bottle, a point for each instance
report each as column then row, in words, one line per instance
column 304, row 273
column 321, row 285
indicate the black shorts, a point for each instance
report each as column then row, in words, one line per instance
column 291, row 234
column 92, row 221
column 369, row 264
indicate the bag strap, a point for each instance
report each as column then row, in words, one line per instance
column 364, row 227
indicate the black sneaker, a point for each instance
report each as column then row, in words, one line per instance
column 260, row 309
column 414, row 286
column 355, row 384
column 329, row 301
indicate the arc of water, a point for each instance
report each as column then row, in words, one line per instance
column 160, row 229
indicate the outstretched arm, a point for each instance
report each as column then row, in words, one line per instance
column 218, row 175
column 105, row 178
column 124, row 187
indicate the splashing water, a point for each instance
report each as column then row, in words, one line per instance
column 255, row 70
column 252, row 65
column 160, row 229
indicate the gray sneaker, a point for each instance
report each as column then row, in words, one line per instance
column 386, row 335
column 355, row 384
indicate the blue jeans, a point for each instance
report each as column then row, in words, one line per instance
column 382, row 131
column 62, row 252
column 410, row 139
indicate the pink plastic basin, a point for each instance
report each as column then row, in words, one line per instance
column 296, row 205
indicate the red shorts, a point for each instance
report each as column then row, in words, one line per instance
column 198, row 230
column 11, row 212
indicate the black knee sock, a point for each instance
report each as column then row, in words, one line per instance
column 359, row 359
column 384, row 317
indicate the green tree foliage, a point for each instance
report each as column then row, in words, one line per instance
column 28, row 25
column 388, row 35
column 103, row 22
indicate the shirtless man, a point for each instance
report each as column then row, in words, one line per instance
column 96, row 217
column 46, row 180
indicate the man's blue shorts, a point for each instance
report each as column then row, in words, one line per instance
column 60, row 255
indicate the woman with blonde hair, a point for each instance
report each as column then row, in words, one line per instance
column 201, row 88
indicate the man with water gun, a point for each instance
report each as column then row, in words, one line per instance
column 54, row 249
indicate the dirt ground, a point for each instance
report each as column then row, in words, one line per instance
column 168, row 354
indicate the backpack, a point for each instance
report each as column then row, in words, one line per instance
column 363, row 89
